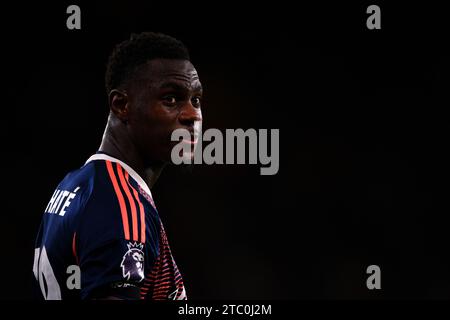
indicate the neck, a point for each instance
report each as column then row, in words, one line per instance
column 117, row 143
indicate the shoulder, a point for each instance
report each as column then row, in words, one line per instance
column 107, row 210
column 84, row 182
column 94, row 181
column 93, row 199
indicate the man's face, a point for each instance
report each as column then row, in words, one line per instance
column 165, row 96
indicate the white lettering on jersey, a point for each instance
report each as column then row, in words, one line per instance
column 60, row 201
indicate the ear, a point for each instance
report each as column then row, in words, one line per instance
column 119, row 104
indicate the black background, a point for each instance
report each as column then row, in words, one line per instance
column 363, row 139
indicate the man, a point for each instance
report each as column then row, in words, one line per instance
column 101, row 219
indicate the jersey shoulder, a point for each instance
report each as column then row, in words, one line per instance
column 88, row 196
column 103, row 207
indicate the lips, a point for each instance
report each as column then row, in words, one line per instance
column 194, row 136
column 189, row 141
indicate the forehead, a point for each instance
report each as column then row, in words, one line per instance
column 159, row 71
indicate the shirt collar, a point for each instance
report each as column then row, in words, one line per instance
column 131, row 172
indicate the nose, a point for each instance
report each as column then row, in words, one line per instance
column 189, row 115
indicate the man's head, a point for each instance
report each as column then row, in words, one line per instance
column 153, row 89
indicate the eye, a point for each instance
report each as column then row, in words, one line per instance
column 170, row 100
column 196, row 101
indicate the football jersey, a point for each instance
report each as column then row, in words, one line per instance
column 100, row 232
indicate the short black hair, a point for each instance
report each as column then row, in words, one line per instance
column 128, row 55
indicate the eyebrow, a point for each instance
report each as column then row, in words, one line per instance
column 179, row 87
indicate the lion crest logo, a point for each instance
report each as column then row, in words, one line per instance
column 133, row 262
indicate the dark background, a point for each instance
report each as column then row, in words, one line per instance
column 363, row 139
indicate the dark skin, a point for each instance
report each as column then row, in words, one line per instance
column 164, row 95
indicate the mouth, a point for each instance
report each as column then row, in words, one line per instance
column 194, row 134
column 193, row 141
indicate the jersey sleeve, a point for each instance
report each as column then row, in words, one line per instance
column 109, row 241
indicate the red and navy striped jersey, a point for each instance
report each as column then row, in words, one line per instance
column 100, row 232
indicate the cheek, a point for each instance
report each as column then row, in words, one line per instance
column 156, row 131
column 150, row 119
column 163, row 119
